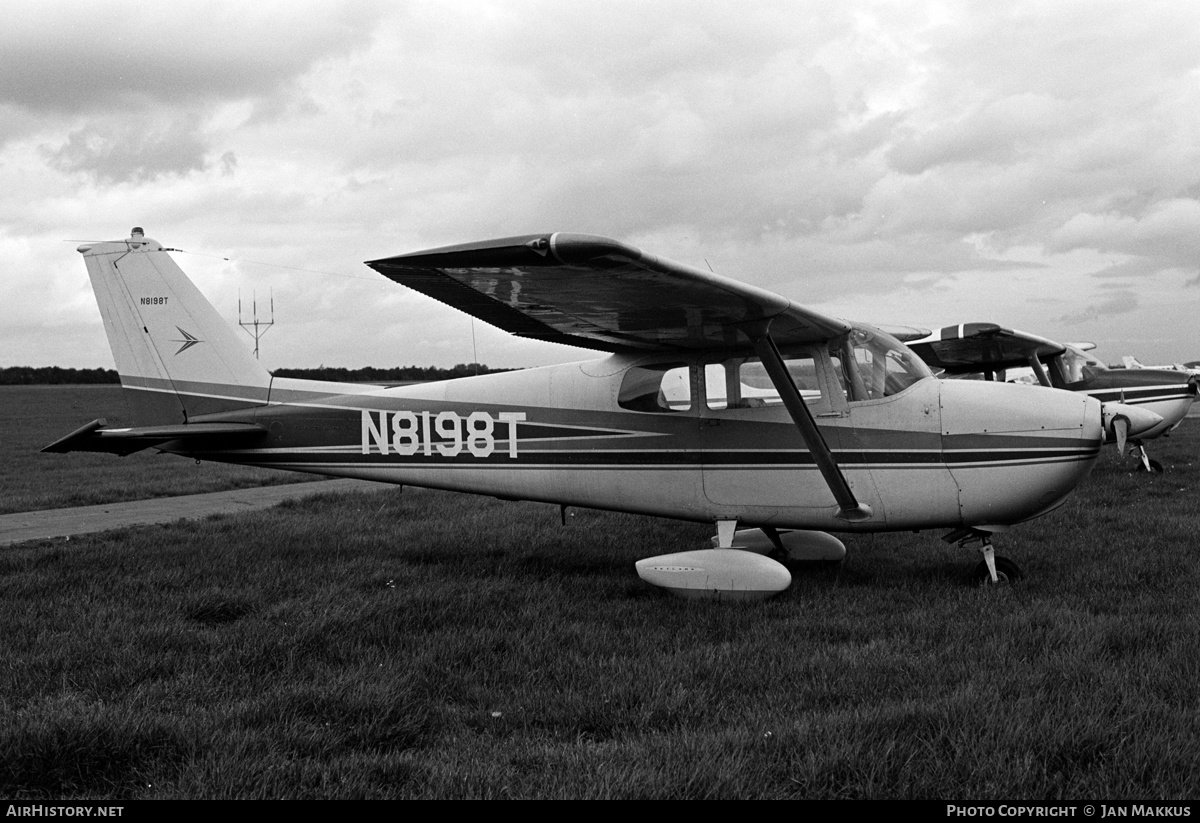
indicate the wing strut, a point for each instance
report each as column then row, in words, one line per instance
column 1039, row 370
column 851, row 510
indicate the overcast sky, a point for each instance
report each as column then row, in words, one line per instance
column 1034, row 164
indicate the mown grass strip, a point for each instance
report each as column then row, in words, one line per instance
column 429, row 645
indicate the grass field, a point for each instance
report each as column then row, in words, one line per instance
column 431, row 645
column 35, row 416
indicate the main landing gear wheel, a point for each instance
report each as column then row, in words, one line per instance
column 1006, row 572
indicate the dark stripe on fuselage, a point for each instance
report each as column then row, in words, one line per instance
column 656, row 458
column 333, row 435
column 1136, row 397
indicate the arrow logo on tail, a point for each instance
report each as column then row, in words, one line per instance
column 188, row 341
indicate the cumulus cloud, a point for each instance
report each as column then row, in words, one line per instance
column 132, row 151
column 1124, row 301
column 1166, row 230
column 78, row 56
column 928, row 152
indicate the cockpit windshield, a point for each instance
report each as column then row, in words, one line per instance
column 1080, row 365
column 872, row 364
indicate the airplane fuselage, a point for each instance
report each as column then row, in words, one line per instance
column 937, row 454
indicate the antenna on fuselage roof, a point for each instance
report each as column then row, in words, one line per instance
column 260, row 328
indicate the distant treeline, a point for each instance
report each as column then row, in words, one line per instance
column 400, row 374
column 29, row 376
column 51, row 375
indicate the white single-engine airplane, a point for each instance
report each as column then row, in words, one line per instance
column 1191, row 367
column 1160, row 397
column 717, row 402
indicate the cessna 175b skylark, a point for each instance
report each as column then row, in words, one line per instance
column 992, row 350
column 716, row 402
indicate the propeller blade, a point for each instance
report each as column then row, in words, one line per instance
column 1120, row 427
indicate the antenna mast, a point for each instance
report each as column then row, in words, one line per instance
column 260, row 327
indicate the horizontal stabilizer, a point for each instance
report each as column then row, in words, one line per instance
column 94, row 437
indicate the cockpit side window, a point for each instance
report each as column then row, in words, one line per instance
column 662, row 388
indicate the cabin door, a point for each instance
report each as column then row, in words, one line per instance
column 754, row 456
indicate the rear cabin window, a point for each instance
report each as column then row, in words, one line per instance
column 744, row 383
column 663, row 388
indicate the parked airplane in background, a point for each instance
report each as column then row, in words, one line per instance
column 1191, row 367
column 992, row 350
column 717, row 402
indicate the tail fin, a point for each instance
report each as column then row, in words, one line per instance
column 174, row 353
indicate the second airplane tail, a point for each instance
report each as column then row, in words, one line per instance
column 174, row 353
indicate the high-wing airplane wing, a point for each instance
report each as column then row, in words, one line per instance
column 597, row 293
column 590, row 291
column 974, row 347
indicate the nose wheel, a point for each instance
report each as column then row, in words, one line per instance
column 1006, row 571
column 993, row 570
column 1145, row 463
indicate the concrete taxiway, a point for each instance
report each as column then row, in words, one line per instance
column 51, row 523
